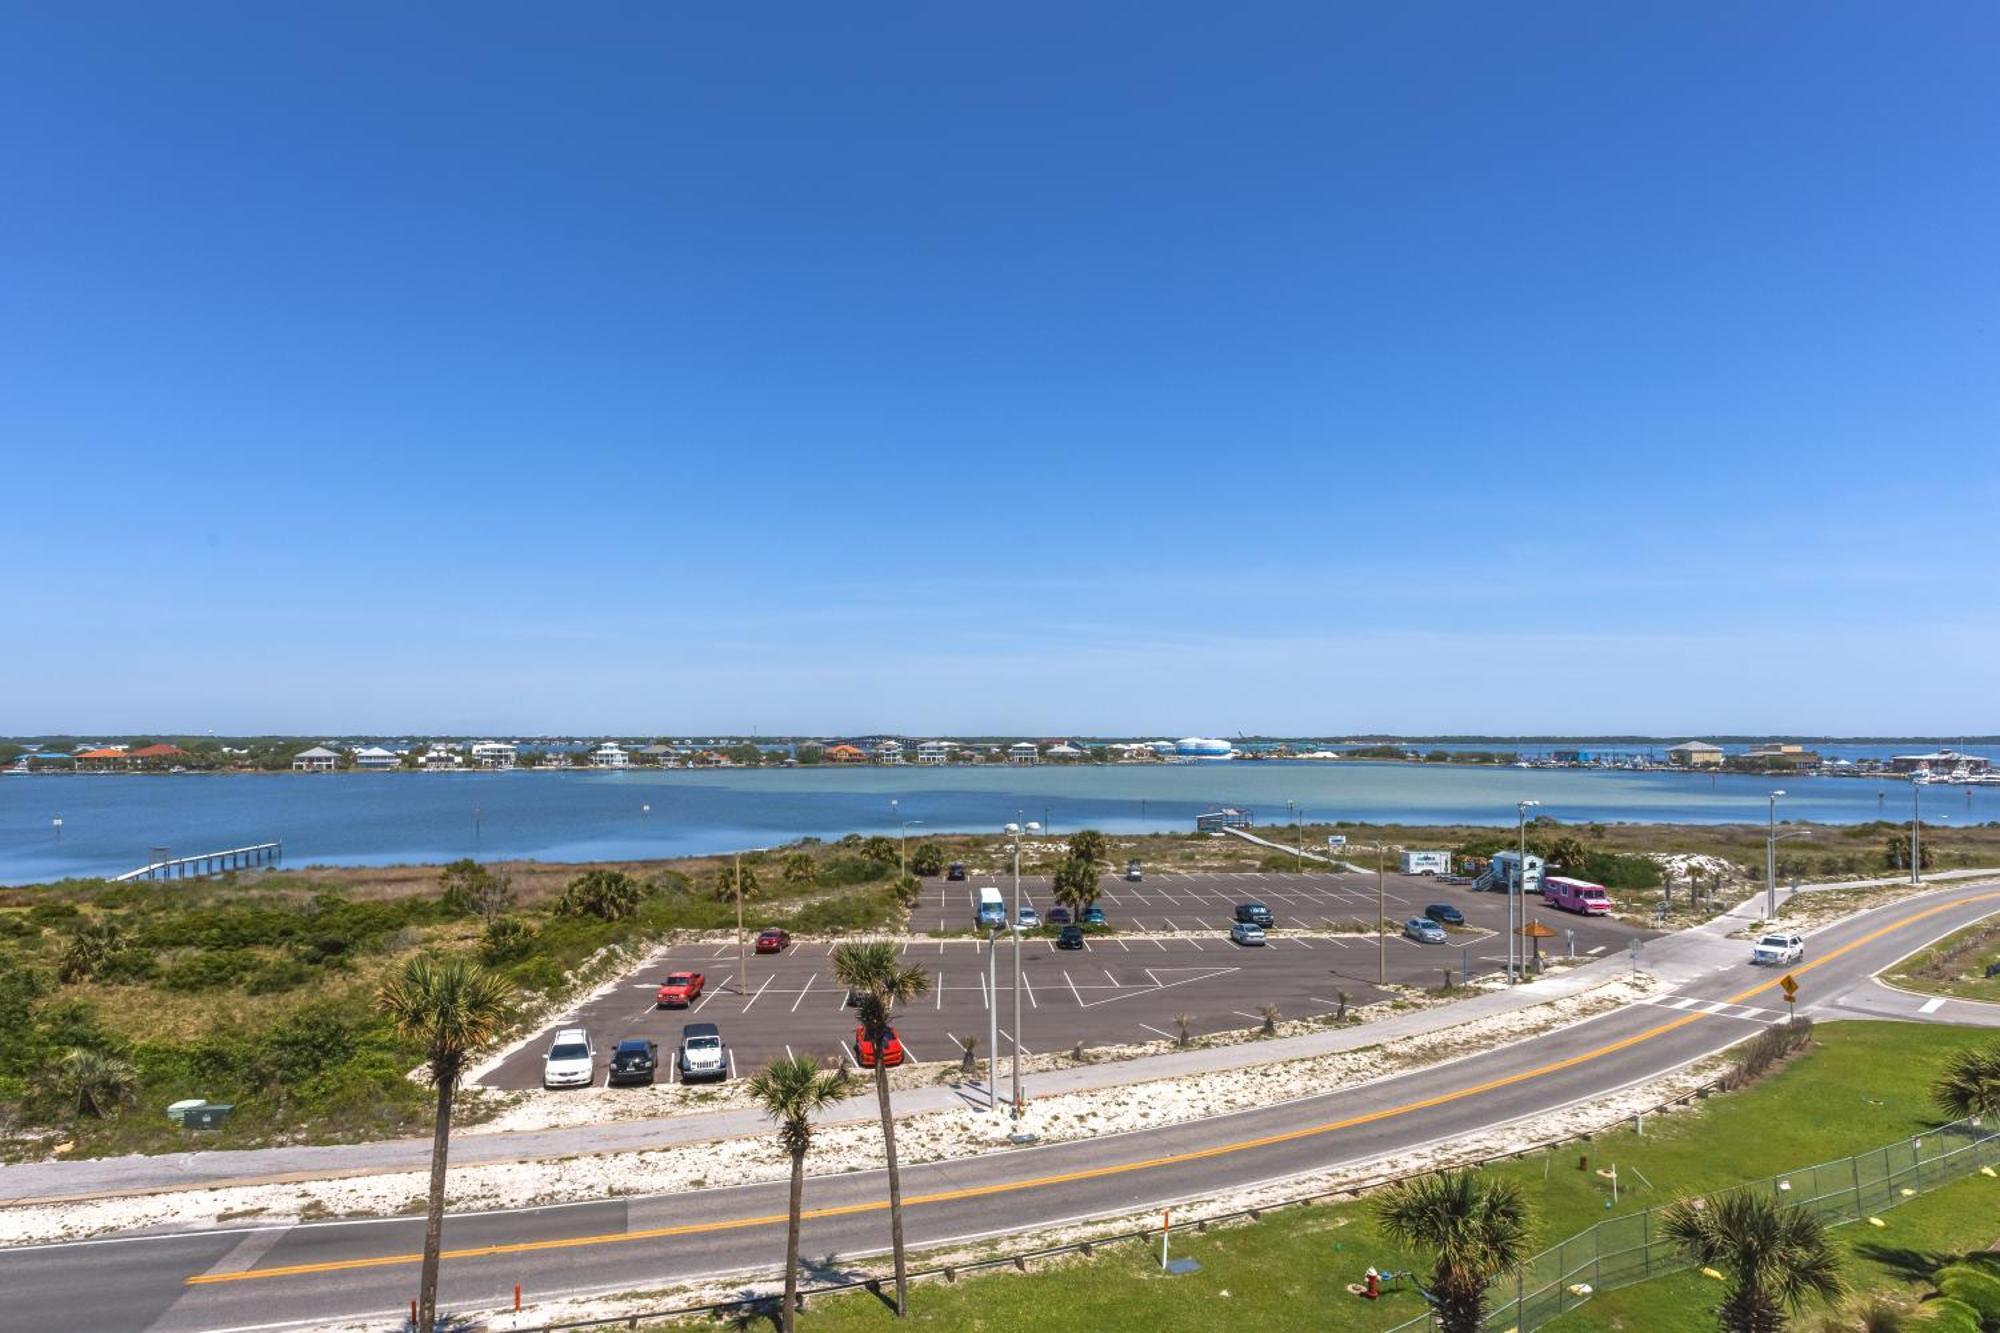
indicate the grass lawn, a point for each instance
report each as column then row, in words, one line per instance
column 1956, row 965
column 1863, row 1084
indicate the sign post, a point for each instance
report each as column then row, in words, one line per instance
column 1791, row 989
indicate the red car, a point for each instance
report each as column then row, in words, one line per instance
column 864, row 1049
column 681, row 988
column 774, row 940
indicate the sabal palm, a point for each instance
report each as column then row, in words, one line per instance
column 791, row 1091
column 1773, row 1257
column 875, row 972
column 453, row 1007
column 1476, row 1227
column 96, row 1083
column 1970, row 1084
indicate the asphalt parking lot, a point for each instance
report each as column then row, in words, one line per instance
column 1124, row 986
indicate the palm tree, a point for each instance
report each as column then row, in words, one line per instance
column 88, row 949
column 453, row 1007
column 96, row 1083
column 1477, row 1226
column 1088, row 845
column 800, row 869
column 791, row 1091
column 1773, row 1257
column 1970, row 1084
column 875, row 972
column 1075, row 885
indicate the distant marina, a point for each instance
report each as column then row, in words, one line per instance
column 53, row 827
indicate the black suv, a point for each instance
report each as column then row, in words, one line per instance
column 956, row 871
column 634, row 1061
column 1255, row 913
column 1070, row 938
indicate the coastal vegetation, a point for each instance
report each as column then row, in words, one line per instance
column 257, row 990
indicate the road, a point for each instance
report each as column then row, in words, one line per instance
column 1124, row 987
column 276, row 1277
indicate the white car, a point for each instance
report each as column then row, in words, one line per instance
column 1247, row 932
column 1778, row 950
column 1030, row 918
column 569, row 1061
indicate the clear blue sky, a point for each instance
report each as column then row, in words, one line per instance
column 1150, row 367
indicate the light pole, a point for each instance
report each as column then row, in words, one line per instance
column 993, row 1020
column 1771, row 862
column 1916, row 823
column 1517, row 885
column 1381, row 915
column 903, row 849
column 1015, row 830
column 1298, row 835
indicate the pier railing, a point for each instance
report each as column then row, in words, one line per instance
column 207, row 863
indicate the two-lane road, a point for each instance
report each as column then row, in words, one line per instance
column 271, row 1277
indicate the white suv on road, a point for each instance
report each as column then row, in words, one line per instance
column 1778, row 950
column 568, row 1063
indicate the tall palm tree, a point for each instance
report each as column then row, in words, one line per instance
column 875, row 972
column 1773, row 1256
column 791, row 1091
column 1970, row 1084
column 453, row 1007
column 800, row 868
column 1477, row 1227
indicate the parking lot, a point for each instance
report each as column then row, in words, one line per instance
column 1124, row 986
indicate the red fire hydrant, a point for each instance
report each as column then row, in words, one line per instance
column 1374, row 1291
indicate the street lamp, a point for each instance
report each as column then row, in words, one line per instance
column 1916, row 823
column 1519, row 878
column 1771, row 862
column 1014, row 831
column 903, row 850
column 1298, row 816
column 1381, row 915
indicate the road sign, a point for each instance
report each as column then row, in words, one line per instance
column 1791, row 987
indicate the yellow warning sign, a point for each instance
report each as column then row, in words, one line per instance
column 1791, row 987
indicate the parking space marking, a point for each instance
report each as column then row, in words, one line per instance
column 760, row 992
column 1150, row 1028
column 940, row 990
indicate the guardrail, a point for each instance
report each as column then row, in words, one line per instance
column 752, row 1305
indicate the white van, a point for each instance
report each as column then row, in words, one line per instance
column 992, row 912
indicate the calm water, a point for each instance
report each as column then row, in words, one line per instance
column 111, row 822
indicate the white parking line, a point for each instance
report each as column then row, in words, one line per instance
column 1203, row 924
column 732, row 1063
column 1170, row 923
column 1150, row 1028
column 760, row 992
column 1028, row 981
column 1301, row 943
column 1162, row 944
column 1931, row 1006
column 705, row 998
column 788, row 1052
column 1072, row 988
column 846, row 1051
column 1108, row 977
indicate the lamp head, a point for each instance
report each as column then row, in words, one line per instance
column 1011, row 828
column 1033, row 827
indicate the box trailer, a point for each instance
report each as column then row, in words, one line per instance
column 1426, row 863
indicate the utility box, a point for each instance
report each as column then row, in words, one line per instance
column 199, row 1114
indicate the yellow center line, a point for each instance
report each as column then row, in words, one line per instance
column 1088, row 1173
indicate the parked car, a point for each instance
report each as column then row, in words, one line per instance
column 1246, row 932
column 1029, row 918
column 680, row 989
column 864, row 1049
column 702, row 1053
column 1093, row 916
column 1133, row 874
column 955, row 871
column 569, row 1061
column 1256, row 914
column 1778, row 950
column 1576, row 895
column 773, row 939
column 633, row 1060
column 1059, row 916
column 1424, row 930
column 1070, row 937
column 1445, row 914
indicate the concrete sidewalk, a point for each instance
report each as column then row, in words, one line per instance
column 1676, row 960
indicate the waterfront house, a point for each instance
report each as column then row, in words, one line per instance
column 319, row 759
column 1942, row 762
column 1023, row 752
column 656, row 756
column 115, row 758
column 1695, row 754
column 934, row 752
column 1062, row 750
column 889, row 752
column 610, row 755
column 846, row 754
column 375, row 757
column 442, row 759
column 494, row 754
column 1214, row 821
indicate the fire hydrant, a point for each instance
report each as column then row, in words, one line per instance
column 1374, row 1291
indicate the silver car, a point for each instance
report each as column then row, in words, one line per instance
column 1246, row 932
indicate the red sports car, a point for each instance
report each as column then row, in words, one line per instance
column 864, row 1049
column 774, row 940
column 681, row 988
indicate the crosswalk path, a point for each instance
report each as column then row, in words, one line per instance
column 1690, row 1004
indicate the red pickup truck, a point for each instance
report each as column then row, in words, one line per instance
column 680, row 988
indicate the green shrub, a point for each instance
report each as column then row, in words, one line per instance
column 1947, row 1314
column 1980, row 1290
column 14, row 926
column 52, row 914
column 276, row 976
column 208, row 970
column 128, row 967
column 506, row 939
column 608, row 895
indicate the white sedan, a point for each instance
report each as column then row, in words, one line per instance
column 1778, row 950
column 569, row 1061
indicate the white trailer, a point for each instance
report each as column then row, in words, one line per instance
column 1426, row 863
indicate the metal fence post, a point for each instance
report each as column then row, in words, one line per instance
column 1854, row 1165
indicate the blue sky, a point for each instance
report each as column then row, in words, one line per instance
column 1049, row 368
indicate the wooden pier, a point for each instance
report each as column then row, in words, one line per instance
column 207, row 863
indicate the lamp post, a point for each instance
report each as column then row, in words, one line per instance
column 1015, row 830
column 1916, row 823
column 1771, row 862
column 1381, row 915
column 903, row 848
column 1517, row 885
column 993, row 1019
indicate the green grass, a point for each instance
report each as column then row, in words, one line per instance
column 1956, row 965
column 1862, row 1085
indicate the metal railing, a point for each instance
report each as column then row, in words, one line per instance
column 1625, row 1250
column 753, row 1304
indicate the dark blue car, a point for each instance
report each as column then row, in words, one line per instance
column 1445, row 914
